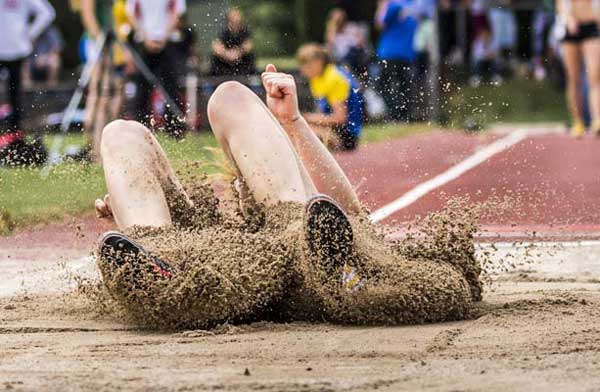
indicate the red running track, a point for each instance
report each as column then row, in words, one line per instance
column 556, row 179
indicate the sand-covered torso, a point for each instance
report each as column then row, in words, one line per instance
column 233, row 269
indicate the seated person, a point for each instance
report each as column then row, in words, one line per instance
column 339, row 116
column 183, row 261
column 232, row 50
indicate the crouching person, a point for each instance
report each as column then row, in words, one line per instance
column 339, row 116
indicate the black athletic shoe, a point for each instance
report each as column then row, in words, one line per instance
column 330, row 238
column 119, row 249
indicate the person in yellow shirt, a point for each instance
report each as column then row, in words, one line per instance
column 339, row 103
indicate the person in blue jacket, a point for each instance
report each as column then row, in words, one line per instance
column 397, row 24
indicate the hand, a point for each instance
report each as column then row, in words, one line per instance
column 282, row 96
column 153, row 45
column 103, row 209
column 232, row 55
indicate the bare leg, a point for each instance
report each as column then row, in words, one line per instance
column 102, row 108
column 91, row 104
column 591, row 55
column 572, row 62
column 254, row 140
column 137, row 173
column 117, row 98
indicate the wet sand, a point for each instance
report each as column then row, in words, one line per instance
column 535, row 329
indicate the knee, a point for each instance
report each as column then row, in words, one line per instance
column 119, row 134
column 226, row 97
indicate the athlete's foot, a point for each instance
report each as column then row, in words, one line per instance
column 330, row 239
column 118, row 249
column 577, row 129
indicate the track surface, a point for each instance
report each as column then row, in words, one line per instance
column 554, row 179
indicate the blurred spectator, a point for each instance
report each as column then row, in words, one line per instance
column 543, row 18
column 484, row 56
column 580, row 44
column 338, row 120
column 155, row 23
column 18, row 31
column 21, row 23
column 479, row 16
column 232, row 50
column 184, row 40
column 346, row 41
column 504, row 32
column 397, row 55
column 44, row 63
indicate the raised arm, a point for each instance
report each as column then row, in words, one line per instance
column 326, row 173
column 43, row 13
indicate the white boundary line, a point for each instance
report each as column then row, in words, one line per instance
column 451, row 174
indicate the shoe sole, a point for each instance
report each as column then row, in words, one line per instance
column 113, row 241
column 328, row 230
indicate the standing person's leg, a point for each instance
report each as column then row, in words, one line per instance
column 143, row 89
column 387, row 87
column 14, row 91
column 260, row 149
column 137, row 174
column 91, row 103
column 572, row 62
column 591, row 56
column 102, row 116
column 168, row 73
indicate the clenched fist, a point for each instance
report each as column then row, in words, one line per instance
column 282, row 97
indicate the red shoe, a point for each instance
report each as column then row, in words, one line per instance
column 9, row 138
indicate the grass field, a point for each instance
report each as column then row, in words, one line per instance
column 26, row 198
column 518, row 100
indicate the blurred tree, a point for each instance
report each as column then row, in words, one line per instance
column 272, row 25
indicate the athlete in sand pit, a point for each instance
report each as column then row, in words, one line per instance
column 181, row 263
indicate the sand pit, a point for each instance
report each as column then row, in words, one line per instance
column 536, row 328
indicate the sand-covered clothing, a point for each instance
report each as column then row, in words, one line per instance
column 236, row 270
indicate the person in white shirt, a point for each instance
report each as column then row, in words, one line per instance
column 155, row 22
column 21, row 22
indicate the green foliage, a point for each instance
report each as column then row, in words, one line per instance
column 272, row 25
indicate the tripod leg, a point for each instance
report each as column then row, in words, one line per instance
column 69, row 112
